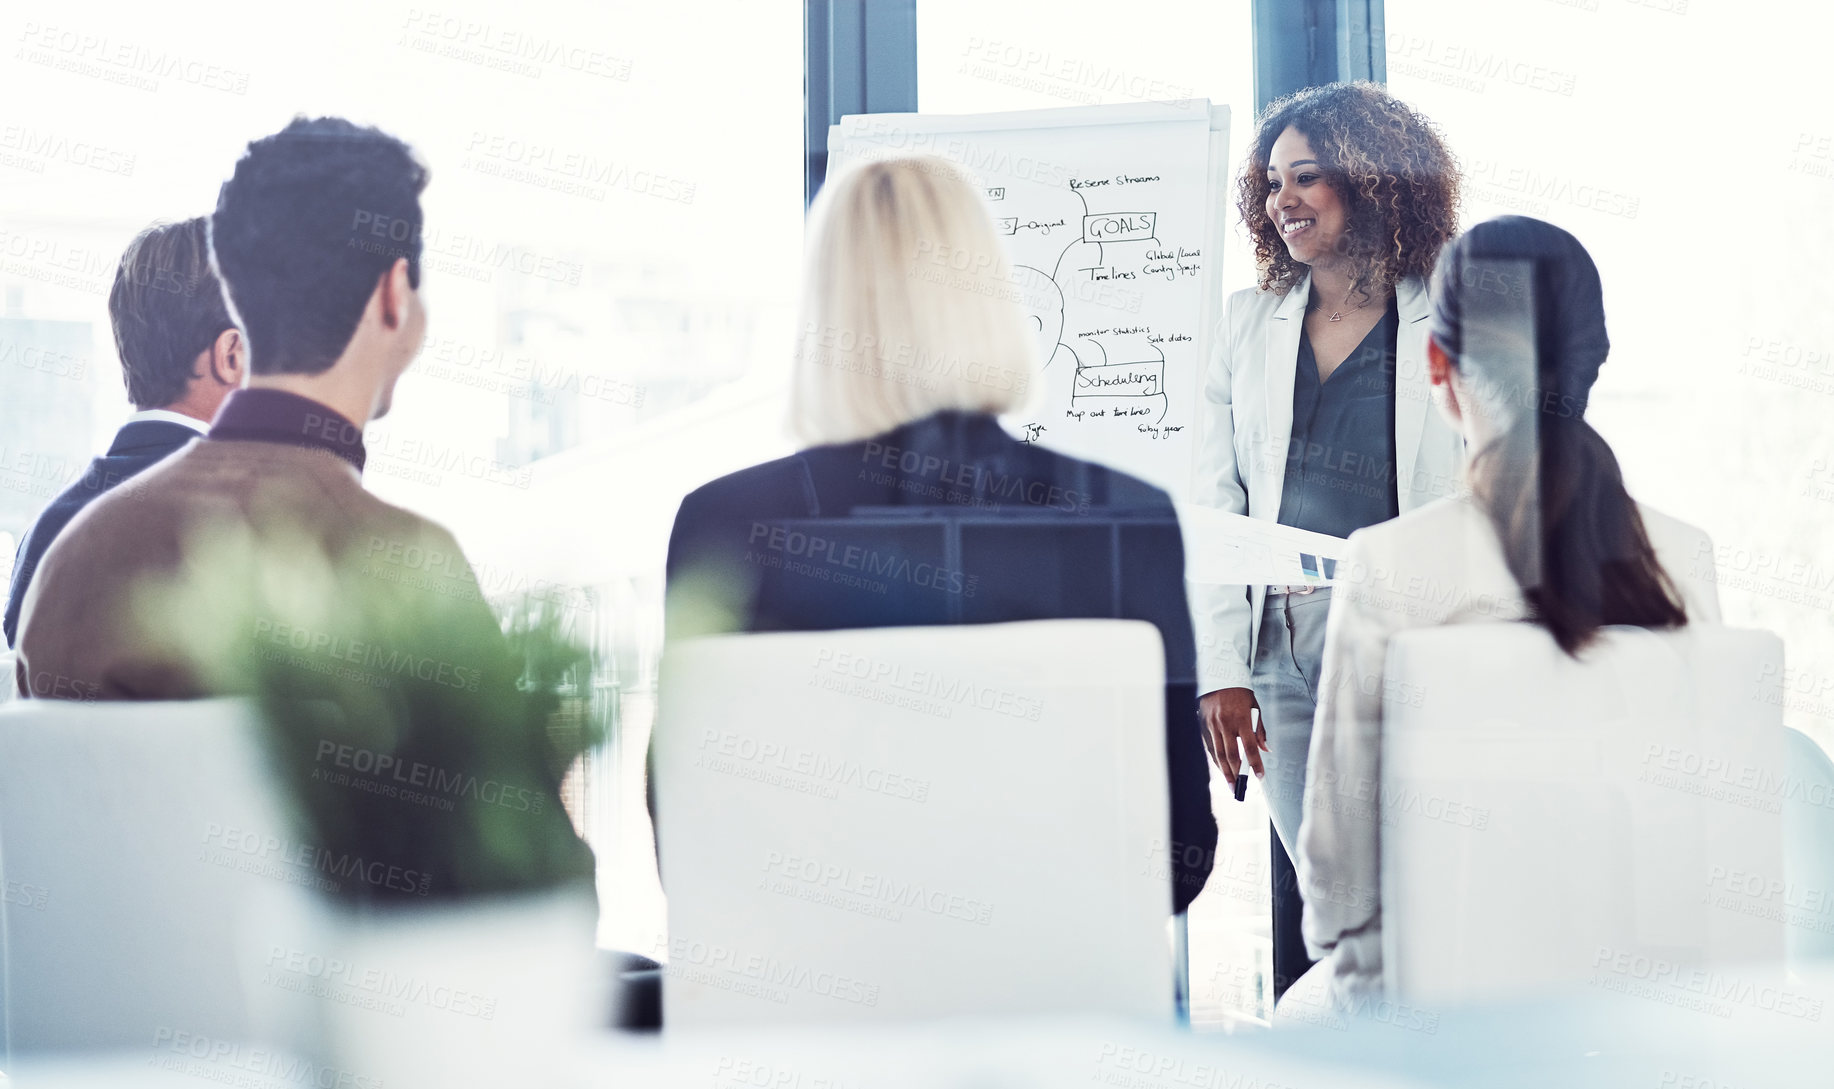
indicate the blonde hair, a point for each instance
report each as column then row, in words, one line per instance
column 908, row 305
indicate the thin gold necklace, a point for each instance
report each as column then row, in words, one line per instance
column 1339, row 314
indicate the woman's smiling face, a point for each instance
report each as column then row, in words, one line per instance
column 1307, row 212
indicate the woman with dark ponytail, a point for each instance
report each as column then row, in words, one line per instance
column 1543, row 531
column 1571, row 535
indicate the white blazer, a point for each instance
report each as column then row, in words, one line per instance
column 1247, row 424
column 1442, row 564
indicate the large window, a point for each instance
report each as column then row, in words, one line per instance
column 613, row 221
column 1690, row 147
column 614, row 228
column 982, row 57
column 978, row 57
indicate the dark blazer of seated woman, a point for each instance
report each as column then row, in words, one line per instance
column 862, row 534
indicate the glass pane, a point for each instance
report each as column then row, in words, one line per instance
column 981, row 56
column 985, row 57
column 1640, row 126
column 607, row 180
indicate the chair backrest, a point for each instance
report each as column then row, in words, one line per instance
column 1103, row 563
column 139, row 843
column 1547, row 821
column 1807, row 897
column 915, row 822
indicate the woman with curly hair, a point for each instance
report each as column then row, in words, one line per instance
column 1318, row 414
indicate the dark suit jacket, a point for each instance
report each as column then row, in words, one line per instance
column 951, row 521
column 136, row 446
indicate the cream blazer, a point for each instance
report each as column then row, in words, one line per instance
column 1247, row 424
column 1441, row 564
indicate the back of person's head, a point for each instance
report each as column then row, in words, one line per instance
column 1518, row 306
column 166, row 309
column 908, row 305
column 311, row 219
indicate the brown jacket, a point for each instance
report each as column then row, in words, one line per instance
column 394, row 716
column 89, row 630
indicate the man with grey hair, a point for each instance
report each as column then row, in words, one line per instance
column 181, row 356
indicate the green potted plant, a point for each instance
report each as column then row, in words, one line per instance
column 421, row 742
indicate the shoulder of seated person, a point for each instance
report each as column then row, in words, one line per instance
column 124, row 505
column 371, row 515
column 1658, row 523
column 748, row 483
column 1421, row 537
column 313, row 476
column 381, row 515
column 1427, row 518
column 237, row 465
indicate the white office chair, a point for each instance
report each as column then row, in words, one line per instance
column 1543, row 815
column 1808, row 843
column 131, row 897
column 913, row 823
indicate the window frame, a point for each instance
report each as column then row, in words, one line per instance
column 860, row 56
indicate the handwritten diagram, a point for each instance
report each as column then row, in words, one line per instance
column 1106, row 226
column 1114, row 309
column 1133, row 373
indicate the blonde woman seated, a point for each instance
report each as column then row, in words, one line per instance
column 1544, row 532
column 914, row 337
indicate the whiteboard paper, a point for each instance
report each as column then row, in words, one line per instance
column 1110, row 216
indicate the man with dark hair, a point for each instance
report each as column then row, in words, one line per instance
column 255, row 562
column 181, row 356
column 331, row 321
column 342, row 204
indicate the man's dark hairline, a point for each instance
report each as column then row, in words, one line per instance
column 372, row 136
column 153, row 249
column 403, row 175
